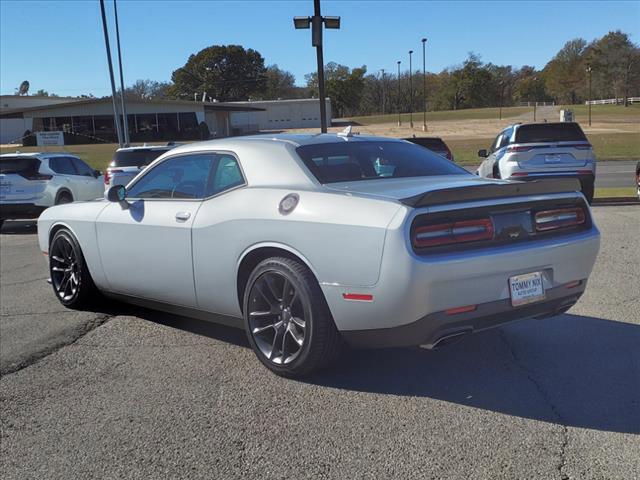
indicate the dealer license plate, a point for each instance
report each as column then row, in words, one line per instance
column 526, row 288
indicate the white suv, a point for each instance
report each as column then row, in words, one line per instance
column 31, row 182
column 534, row 151
column 128, row 162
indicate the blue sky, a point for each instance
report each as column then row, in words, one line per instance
column 58, row 45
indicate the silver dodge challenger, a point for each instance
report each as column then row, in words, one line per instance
column 313, row 242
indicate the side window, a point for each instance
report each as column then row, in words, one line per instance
column 185, row 176
column 506, row 136
column 62, row 165
column 227, row 175
column 82, row 168
column 494, row 145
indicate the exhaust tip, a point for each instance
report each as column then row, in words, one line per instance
column 447, row 339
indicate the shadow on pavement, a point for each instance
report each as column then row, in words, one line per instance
column 19, row 227
column 572, row 370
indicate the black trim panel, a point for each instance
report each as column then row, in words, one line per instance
column 180, row 310
column 432, row 328
column 492, row 191
column 20, row 210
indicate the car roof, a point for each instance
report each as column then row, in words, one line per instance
column 38, row 154
column 146, row 147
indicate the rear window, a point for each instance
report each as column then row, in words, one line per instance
column 550, row 132
column 19, row 165
column 136, row 158
column 371, row 160
column 431, row 143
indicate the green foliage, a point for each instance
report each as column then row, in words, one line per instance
column 147, row 89
column 343, row 86
column 223, row 72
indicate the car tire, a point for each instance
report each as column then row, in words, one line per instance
column 495, row 172
column 287, row 320
column 64, row 197
column 70, row 277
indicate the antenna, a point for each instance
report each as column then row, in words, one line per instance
column 346, row 132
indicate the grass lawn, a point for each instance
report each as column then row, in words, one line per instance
column 605, row 113
column 616, row 192
column 465, row 114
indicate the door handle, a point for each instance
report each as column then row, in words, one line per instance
column 183, row 216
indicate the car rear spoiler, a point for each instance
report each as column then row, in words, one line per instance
column 493, row 190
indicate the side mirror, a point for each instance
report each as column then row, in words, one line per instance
column 117, row 193
column 97, row 173
column 483, row 153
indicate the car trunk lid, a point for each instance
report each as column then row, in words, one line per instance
column 20, row 180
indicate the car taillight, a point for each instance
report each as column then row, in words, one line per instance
column 560, row 218
column 108, row 173
column 579, row 146
column 518, row 149
column 453, row 232
column 38, row 176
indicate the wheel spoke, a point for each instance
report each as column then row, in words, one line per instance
column 258, row 330
column 62, row 288
column 267, row 313
column 58, row 269
column 58, row 259
column 277, row 338
column 299, row 322
column 284, row 345
column 286, row 292
column 293, row 331
column 272, row 289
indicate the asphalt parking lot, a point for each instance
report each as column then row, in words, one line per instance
column 128, row 393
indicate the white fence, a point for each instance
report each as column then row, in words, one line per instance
column 613, row 101
column 537, row 104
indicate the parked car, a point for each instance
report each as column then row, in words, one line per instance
column 541, row 150
column 130, row 161
column 307, row 242
column 435, row 144
column 31, row 182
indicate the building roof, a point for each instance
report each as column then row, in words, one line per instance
column 211, row 106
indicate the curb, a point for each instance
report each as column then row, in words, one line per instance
column 616, row 201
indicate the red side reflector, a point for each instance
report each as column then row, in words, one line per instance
column 519, row 174
column 45, row 253
column 362, row 297
column 468, row 308
column 518, row 149
column 573, row 284
column 585, row 172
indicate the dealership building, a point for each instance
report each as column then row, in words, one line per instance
column 87, row 120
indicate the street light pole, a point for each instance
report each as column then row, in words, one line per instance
column 316, row 23
column 501, row 97
column 382, row 70
column 535, row 97
column 399, row 92
column 116, row 120
column 424, row 85
column 125, row 120
column 589, row 72
column 410, row 91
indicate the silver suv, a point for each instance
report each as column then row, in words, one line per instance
column 541, row 150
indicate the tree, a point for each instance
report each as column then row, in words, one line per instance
column 343, row 86
column 147, row 89
column 223, row 72
column 279, row 84
column 615, row 61
column 564, row 75
column 44, row 93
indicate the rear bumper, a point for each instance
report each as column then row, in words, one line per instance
column 584, row 178
column 436, row 327
column 20, row 210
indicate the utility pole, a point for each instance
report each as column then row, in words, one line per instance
column 125, row 120
column 424, row 85
column 589, row 72
column 410, row 90
column 399, row 92
column 501, row 98
column 316, row 23
column 535, row 97
column 116, row 120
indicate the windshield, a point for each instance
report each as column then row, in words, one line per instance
column 19, row 165
column 550, row 132
column 370, row 160
column 136, row 158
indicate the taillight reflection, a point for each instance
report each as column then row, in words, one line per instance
column 561, row 218
column 453, row 232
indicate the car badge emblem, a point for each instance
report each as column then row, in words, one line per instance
column 515, row 234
